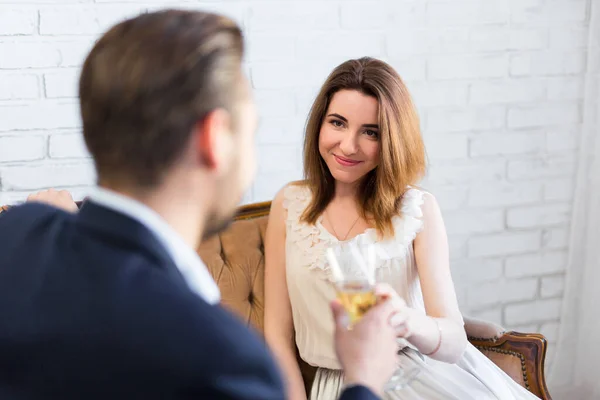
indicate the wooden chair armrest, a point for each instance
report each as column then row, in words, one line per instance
column 530, row 348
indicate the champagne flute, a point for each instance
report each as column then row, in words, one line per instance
column 353, row 270
column 353, row 278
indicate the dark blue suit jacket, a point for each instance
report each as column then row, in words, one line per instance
column 92, row 307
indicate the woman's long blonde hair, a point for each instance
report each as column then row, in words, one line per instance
column 402, row 161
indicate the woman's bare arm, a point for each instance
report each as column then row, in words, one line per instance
column 441, row 305
column 279, row 326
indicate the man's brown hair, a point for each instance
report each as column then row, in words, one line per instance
column 148, row 81
column 401, row 145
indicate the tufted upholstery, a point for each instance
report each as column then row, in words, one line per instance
column 235, row 259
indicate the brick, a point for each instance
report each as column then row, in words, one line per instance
column 410, row 12
column 459, row 172
column 547, row 63
column 493, row 315
column 305, row 98
column 468, row 67
column 528, row 328
column 43, row 115
column 555, row 238
column 537, row 264
column 446, row 147
column 269, row 47
column 83, row 20
column 544, row 115
column 539, row 215
column 451, row 197
column 409, row 40
column 340, row 45
column 513, row 91
column 507, row 38
column 553, row 286
column 62, row 84
column 18, row 86
column 22, row 148
column 493, row 293
column 277, row 75
column 565, row 88
column 550, row 330
column 278, row 158
column 475, row 271
column 276, row 103
column 495, row 144
column 539, row 310
column 33, row 177
column 559, row 189
column 279, row 131
column 503, row 243
column 468, row 13
column 466, row 119
column 539, row 13
column 505, row 194
column 474, row 221
column 22, row 21
column 457, row 245
column 70, row 145
column 411, row 69
column 295, row 16
column 362, row 15
column 43, row 54
column 549, row 167
column 433, row 94
column 568, row 38
column 268, row 185
column 563, row 140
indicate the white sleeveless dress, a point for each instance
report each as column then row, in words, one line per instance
column 474, row 376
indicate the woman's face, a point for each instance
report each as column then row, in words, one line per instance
column 349, row 136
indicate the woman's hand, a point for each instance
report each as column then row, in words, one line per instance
column 57, row 198
column 403, row 320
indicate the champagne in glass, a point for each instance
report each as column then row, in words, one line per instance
column 356, row 297
column 354, row 279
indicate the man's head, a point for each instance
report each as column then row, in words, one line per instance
column 163, row 96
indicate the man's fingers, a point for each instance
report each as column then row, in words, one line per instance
column 339, row 314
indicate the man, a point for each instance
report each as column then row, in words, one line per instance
column 113, row 302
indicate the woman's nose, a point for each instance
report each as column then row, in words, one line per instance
column 349, row 145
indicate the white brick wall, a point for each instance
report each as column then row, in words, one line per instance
column 498, row 85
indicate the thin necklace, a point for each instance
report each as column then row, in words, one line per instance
column 335, row 233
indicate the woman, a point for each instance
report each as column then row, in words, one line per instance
column 363, row 154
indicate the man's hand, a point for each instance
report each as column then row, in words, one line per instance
column 57, row 198
column 367, row 352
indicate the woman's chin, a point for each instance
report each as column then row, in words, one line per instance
column 346, row 177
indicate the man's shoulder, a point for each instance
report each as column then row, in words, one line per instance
column 178, row 329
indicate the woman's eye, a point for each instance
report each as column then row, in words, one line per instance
column 371, row 133
column 336, row 123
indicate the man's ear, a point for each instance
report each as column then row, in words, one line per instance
column 210, row 132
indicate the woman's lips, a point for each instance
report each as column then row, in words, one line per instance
column 345, row 161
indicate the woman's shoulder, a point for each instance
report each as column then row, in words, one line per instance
column 417, row 202
column 292, row 197
column 295, row 191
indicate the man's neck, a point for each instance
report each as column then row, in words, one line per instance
column 178, row 208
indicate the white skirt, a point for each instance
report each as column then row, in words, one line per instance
column 474, row 377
